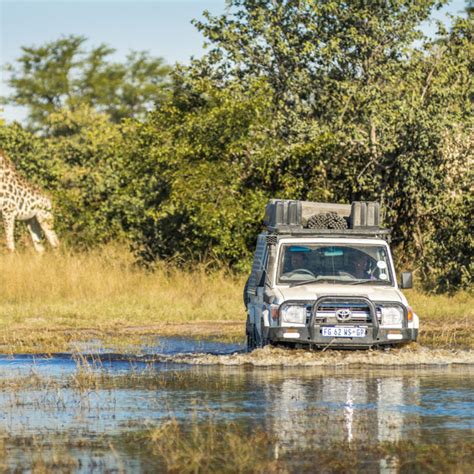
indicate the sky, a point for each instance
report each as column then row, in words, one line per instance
column 162, row 27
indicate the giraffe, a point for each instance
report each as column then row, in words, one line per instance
column 20, row 200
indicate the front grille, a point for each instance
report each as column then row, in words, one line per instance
column 356, row 311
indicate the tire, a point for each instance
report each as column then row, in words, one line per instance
column 330, row 220
column 251, row 341
column 318, row 221
column 254, row 339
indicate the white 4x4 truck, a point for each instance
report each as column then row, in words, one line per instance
column 323, row 276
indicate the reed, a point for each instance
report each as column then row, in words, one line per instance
column 211, row 447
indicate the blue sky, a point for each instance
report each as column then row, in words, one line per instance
column 162, row 27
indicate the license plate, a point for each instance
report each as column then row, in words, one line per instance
column 343, row 332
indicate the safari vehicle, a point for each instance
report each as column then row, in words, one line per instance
column 323, row 276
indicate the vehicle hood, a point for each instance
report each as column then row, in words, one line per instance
column 311, row 292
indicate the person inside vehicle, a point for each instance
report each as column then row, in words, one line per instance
column 361, row 266
column 297, row 260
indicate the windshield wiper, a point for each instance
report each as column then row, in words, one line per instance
column 368, row 280
column 314, row 280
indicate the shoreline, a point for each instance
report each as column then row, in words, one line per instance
column 131, row 339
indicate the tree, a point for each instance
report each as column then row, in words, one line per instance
column 333, row 69
column 448, row 245
column 78, row 166
column 314, row 54
column 363, row 105
column 187, row 192
column 328, row 100
column 62, row 74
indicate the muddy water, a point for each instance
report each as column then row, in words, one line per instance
column 325, row 398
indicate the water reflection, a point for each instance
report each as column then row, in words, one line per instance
column 341, row 407
column 301, row 407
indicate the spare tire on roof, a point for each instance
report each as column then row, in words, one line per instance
column 329, row 220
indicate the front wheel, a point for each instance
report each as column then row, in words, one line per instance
column 250, row 341
column 255, row 340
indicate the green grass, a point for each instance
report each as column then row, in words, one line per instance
column 48, row 302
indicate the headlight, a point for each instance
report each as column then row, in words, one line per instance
column 293, row 314
column 392, row 316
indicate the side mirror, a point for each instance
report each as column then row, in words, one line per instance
column 407, row 281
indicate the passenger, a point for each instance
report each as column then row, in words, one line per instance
column 361, row 264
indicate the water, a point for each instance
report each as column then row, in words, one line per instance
column 165, row 349
column 300, row 406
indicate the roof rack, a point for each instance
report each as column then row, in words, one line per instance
column 369, row 232
column 360, row 218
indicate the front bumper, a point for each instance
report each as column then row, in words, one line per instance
column 312, row 336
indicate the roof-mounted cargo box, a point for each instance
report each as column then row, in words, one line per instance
column 296, row 216
column 365, row 214
column 280, row 213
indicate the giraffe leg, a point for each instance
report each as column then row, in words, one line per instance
column 36, row 233
column 9, row 224
column 45, row 221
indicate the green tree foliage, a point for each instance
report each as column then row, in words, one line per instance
column 190, row 173
column 63, row 75
column 364, row 103
column 448, row 242
column 327, row 100
column 78, row 166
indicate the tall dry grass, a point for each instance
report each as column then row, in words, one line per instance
column 104, row 291
column 442, row 307
column 208, row 447
column 105, row 286
column 212, row 448
column 48, row 302
column 445, row 320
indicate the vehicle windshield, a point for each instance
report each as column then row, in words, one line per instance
column 345, row 263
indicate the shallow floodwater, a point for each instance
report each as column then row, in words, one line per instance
column 301, row 406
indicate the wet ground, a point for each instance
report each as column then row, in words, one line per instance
column 303, row 399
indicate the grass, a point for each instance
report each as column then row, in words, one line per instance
column 445, row 321
column 48, row 302
column 207, row 447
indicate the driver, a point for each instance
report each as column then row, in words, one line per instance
column 297, row 260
